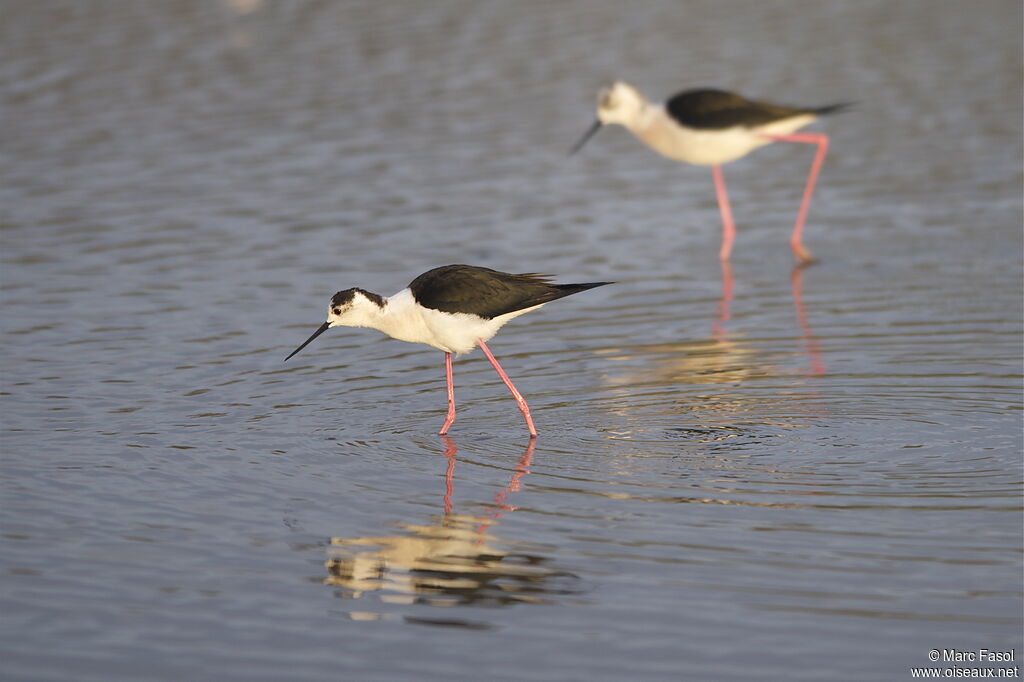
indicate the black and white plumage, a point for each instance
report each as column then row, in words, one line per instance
column 487, row 293
column 453, row 308
column 709, row 127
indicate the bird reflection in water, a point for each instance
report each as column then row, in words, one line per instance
column 718, row 372
column 810, row 342
column 451, row 562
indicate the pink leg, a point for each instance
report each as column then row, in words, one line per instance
column 724, row 303
column 820, row 139
column 451, row 394
column 523, row 407
column 728, row 227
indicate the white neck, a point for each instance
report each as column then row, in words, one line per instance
column 647, row 116
column 400, row 318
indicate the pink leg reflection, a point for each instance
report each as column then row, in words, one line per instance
column 449, row 451
column 500, row 504
column 806, row 334
column 514, row 484
column 724, row 303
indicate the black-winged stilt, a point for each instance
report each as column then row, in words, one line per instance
column 452, row 308
column 711, row 127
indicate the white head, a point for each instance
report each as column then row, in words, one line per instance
column 349, row 308
column 620, row 103
column 353, row 308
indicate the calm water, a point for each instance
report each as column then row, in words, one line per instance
column 755, row 474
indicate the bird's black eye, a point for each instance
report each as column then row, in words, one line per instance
column 337, row 311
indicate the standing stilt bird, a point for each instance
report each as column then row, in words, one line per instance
column 711, row 127
column 452, row 308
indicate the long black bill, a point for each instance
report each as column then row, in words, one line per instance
column 324, row 327
column 583, row 140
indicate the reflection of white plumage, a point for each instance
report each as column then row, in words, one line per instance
column 452, row 561
column 711, row 127
column 438, row 564
column 453, row 549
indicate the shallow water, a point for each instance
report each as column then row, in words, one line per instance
column 745, row 473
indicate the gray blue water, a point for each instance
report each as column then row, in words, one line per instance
column 759, row 473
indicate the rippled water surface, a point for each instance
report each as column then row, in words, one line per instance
column 742, row 473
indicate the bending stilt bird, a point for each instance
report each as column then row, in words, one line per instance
column 453, row 308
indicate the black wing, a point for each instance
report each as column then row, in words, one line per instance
column 717, row 109
column 485, row 292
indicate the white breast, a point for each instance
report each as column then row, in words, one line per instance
column 459, row 332
column 666, row 136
